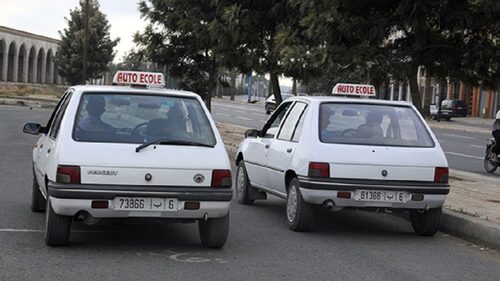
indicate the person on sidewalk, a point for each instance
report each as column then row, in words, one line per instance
column 496, row 134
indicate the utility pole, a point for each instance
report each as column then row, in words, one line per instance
column 86, row 42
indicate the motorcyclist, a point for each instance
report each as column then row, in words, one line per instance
column 496, row 134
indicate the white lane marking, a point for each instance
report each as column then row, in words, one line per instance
column 464, row 155
column 222, row 114
column 20, row 230
column 458, row 136
column 244, row 118
column 478, row 146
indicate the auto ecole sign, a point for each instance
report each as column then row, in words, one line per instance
column 354, row 90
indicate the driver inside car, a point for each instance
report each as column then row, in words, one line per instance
column 371, row 129
column 96, row 105
column 170, row 127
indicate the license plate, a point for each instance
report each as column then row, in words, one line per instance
column 145, row 204
column 381, row 196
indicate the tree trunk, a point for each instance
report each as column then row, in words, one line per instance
column 276, row 89
column 294, row 87
column 415, row 91
column 233, row 84
column 270, row 88
column 212, row 76
column 427, row 95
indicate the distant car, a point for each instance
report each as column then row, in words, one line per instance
column 270, row 104
column 122, row 152
column 449, row 109
column 341, row 153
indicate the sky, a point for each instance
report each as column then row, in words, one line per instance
column 47, row 18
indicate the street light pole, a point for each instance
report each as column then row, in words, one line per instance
column 86, row 42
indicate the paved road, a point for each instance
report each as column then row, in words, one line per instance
column 342, row 246
column 465, row 151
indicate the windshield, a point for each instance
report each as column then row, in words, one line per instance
column 140, row 118
column 368, row 124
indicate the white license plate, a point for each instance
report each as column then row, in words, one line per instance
column 145, row 204
column 381, row 196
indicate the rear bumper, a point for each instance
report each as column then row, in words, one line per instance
column 318, row 191
column 69, row 199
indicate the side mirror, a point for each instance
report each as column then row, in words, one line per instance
column 32, row 129
column 251, row 133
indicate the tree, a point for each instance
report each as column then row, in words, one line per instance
column 180, row 34
column 69, row 57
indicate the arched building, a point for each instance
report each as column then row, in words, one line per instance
column 27, row 58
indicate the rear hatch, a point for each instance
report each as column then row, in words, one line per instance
column 163, row 165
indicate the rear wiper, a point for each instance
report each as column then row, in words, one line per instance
column 169, row 141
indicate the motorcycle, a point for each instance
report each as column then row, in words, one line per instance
column 491, row 161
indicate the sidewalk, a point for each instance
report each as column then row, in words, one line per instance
column 472, row 208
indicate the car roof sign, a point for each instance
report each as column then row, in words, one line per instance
column 354, row 90
column 138, row 78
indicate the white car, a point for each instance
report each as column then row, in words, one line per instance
column 122, row 152
column 345, row 153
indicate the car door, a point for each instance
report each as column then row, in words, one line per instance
column 41, row 145
column 282, row 148
column 256, row 153
column 49, row 140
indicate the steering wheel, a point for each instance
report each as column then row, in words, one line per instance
column 348, row 133
column 138, row 130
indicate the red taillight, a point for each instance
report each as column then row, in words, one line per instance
column 441, row 175
column 221, row 178
column 68, row 174
column 344, row 194
column 317, row 169
column 98, row 204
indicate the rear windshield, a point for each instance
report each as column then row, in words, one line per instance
column 368, row 124
column 139, row 118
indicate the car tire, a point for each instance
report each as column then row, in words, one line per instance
column 299, row 214
column 214, row 231
column 38, row 202
column 57, row 228
column 243, row 185
column 448, row 118
column 426, row 223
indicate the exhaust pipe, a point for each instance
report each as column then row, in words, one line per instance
column 86, row 218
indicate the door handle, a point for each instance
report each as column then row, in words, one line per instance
column 289, row 150
column 48, row 151
column 266, row 146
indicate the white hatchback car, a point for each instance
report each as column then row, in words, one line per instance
column 345, row 153
column 121, row 152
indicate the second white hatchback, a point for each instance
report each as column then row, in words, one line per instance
column 345, row 153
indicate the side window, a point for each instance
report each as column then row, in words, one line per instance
column 271, row 128
column 53, row 114
column 54, row 131
column 291, row 121
column 298, row 129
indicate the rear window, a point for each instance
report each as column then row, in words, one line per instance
column 139, row 118
column 368, row 124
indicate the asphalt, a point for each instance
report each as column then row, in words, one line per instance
column 341, row 246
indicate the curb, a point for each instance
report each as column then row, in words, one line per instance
column 471, row 228
column 28, row 103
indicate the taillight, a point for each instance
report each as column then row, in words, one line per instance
column 68, row 174
column 317, row 169
column 221, row 178
column 441, row 175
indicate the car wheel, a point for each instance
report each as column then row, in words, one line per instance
column 57, row 228
column 213, row 232
column 448, row 118
column 38, row 202
column 299, row 214
column 243, row 185
column 426, row 223
column 490, row 163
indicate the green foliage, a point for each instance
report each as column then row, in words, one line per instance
column 100, row 52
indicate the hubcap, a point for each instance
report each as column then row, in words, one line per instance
column 291, row 205
column 240, row 182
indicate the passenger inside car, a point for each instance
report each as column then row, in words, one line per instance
column 371, row 129
column 325, row 129
column 173, row 126
column 92, row 122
